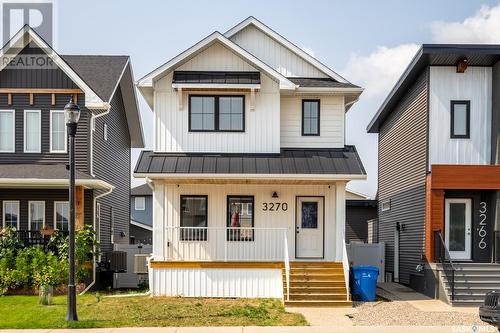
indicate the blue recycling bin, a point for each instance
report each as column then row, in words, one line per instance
column 364, row 283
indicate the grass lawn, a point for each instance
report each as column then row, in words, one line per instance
column 25, row 312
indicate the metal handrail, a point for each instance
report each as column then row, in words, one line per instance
column 442, row 255
column 496, row 247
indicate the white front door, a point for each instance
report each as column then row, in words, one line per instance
column 457, row 217
column 309, row 227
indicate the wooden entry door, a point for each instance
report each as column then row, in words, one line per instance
column 309, row 237
column 457, row 219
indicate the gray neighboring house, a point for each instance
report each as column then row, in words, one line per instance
column 141, row 215
column 439, row 173
column 34, row 147
column 359, row 210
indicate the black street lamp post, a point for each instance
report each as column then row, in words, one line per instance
column 72, row 115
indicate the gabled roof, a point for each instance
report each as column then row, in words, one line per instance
column 143, row 189
column 19, row 41
column 286, row 43
column 102, row 73
column 147, row 80
column 433, row 55
column 97, row 76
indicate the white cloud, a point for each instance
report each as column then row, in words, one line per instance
column 482, row 27
column 308, row 50
column 379, row 71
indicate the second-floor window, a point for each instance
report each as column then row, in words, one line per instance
column 32, row 131
column 310, row 117
column 216, row 113
column 7, row 126
column 460, row 120
column 57, row 132
column 140, row 203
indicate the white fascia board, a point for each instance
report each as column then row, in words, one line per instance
column 231, row 176
column 92, row 100
column 330, row 90
column 214, row 86
column 282, row 40
column 141, row 225
column 53, row 183
column 147, row 81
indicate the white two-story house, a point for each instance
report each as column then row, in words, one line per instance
column 249, row 170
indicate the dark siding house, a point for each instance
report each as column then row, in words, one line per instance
column 439, row 177
column 358, row 213
column 141, row 215
column 33, row 149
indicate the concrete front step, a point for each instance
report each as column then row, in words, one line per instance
column 313, row 303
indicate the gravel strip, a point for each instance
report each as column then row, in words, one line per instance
column 397, row 312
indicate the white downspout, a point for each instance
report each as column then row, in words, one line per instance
column 94, row 261
column 93, row 118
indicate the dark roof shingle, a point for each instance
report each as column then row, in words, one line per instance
column 319, row 82
column 101, row 73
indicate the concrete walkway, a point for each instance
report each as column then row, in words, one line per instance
column 398, row 292
column 267, row 329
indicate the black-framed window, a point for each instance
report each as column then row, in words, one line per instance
column 460, row 119
column 310, row 117
column 221, row 113
column 240, row 218
column 194, row 217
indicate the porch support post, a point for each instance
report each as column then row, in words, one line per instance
column 79, row 207
column 339, row 219
column 159, row 226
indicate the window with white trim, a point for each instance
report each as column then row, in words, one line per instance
column 140, row 203
column 385, row 205
column 61, row 215
column 58, row 139
column 32, row 131
column 7, row 131
column 11, row 214
column 36, row 215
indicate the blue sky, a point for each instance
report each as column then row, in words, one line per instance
column 369, row 42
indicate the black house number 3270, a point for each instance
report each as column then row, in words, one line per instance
column 274, row 206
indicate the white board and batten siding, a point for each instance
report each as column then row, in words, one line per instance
column 217, row 282
column 446, row 85
column 332, row 123
column 166, row 212
column 273, row 53
column 238, row 282
column 262, row 125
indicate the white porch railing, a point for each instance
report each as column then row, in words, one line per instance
column 226, row 244
column 229, row 244
column 345, row 265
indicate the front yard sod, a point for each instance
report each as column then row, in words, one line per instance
column 95, row 311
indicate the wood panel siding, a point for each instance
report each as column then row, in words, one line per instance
column 46, row 195
column 465, row 177
column 446, row 85
column 402, row 176
column 332, row 123
column 112, row 163
column 274, row 54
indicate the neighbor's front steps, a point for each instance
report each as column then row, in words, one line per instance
column 472, row 282
column 316, row 284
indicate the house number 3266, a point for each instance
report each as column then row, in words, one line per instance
column 274, row 206
column 482, row 225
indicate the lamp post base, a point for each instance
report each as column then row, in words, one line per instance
column 71, row 315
